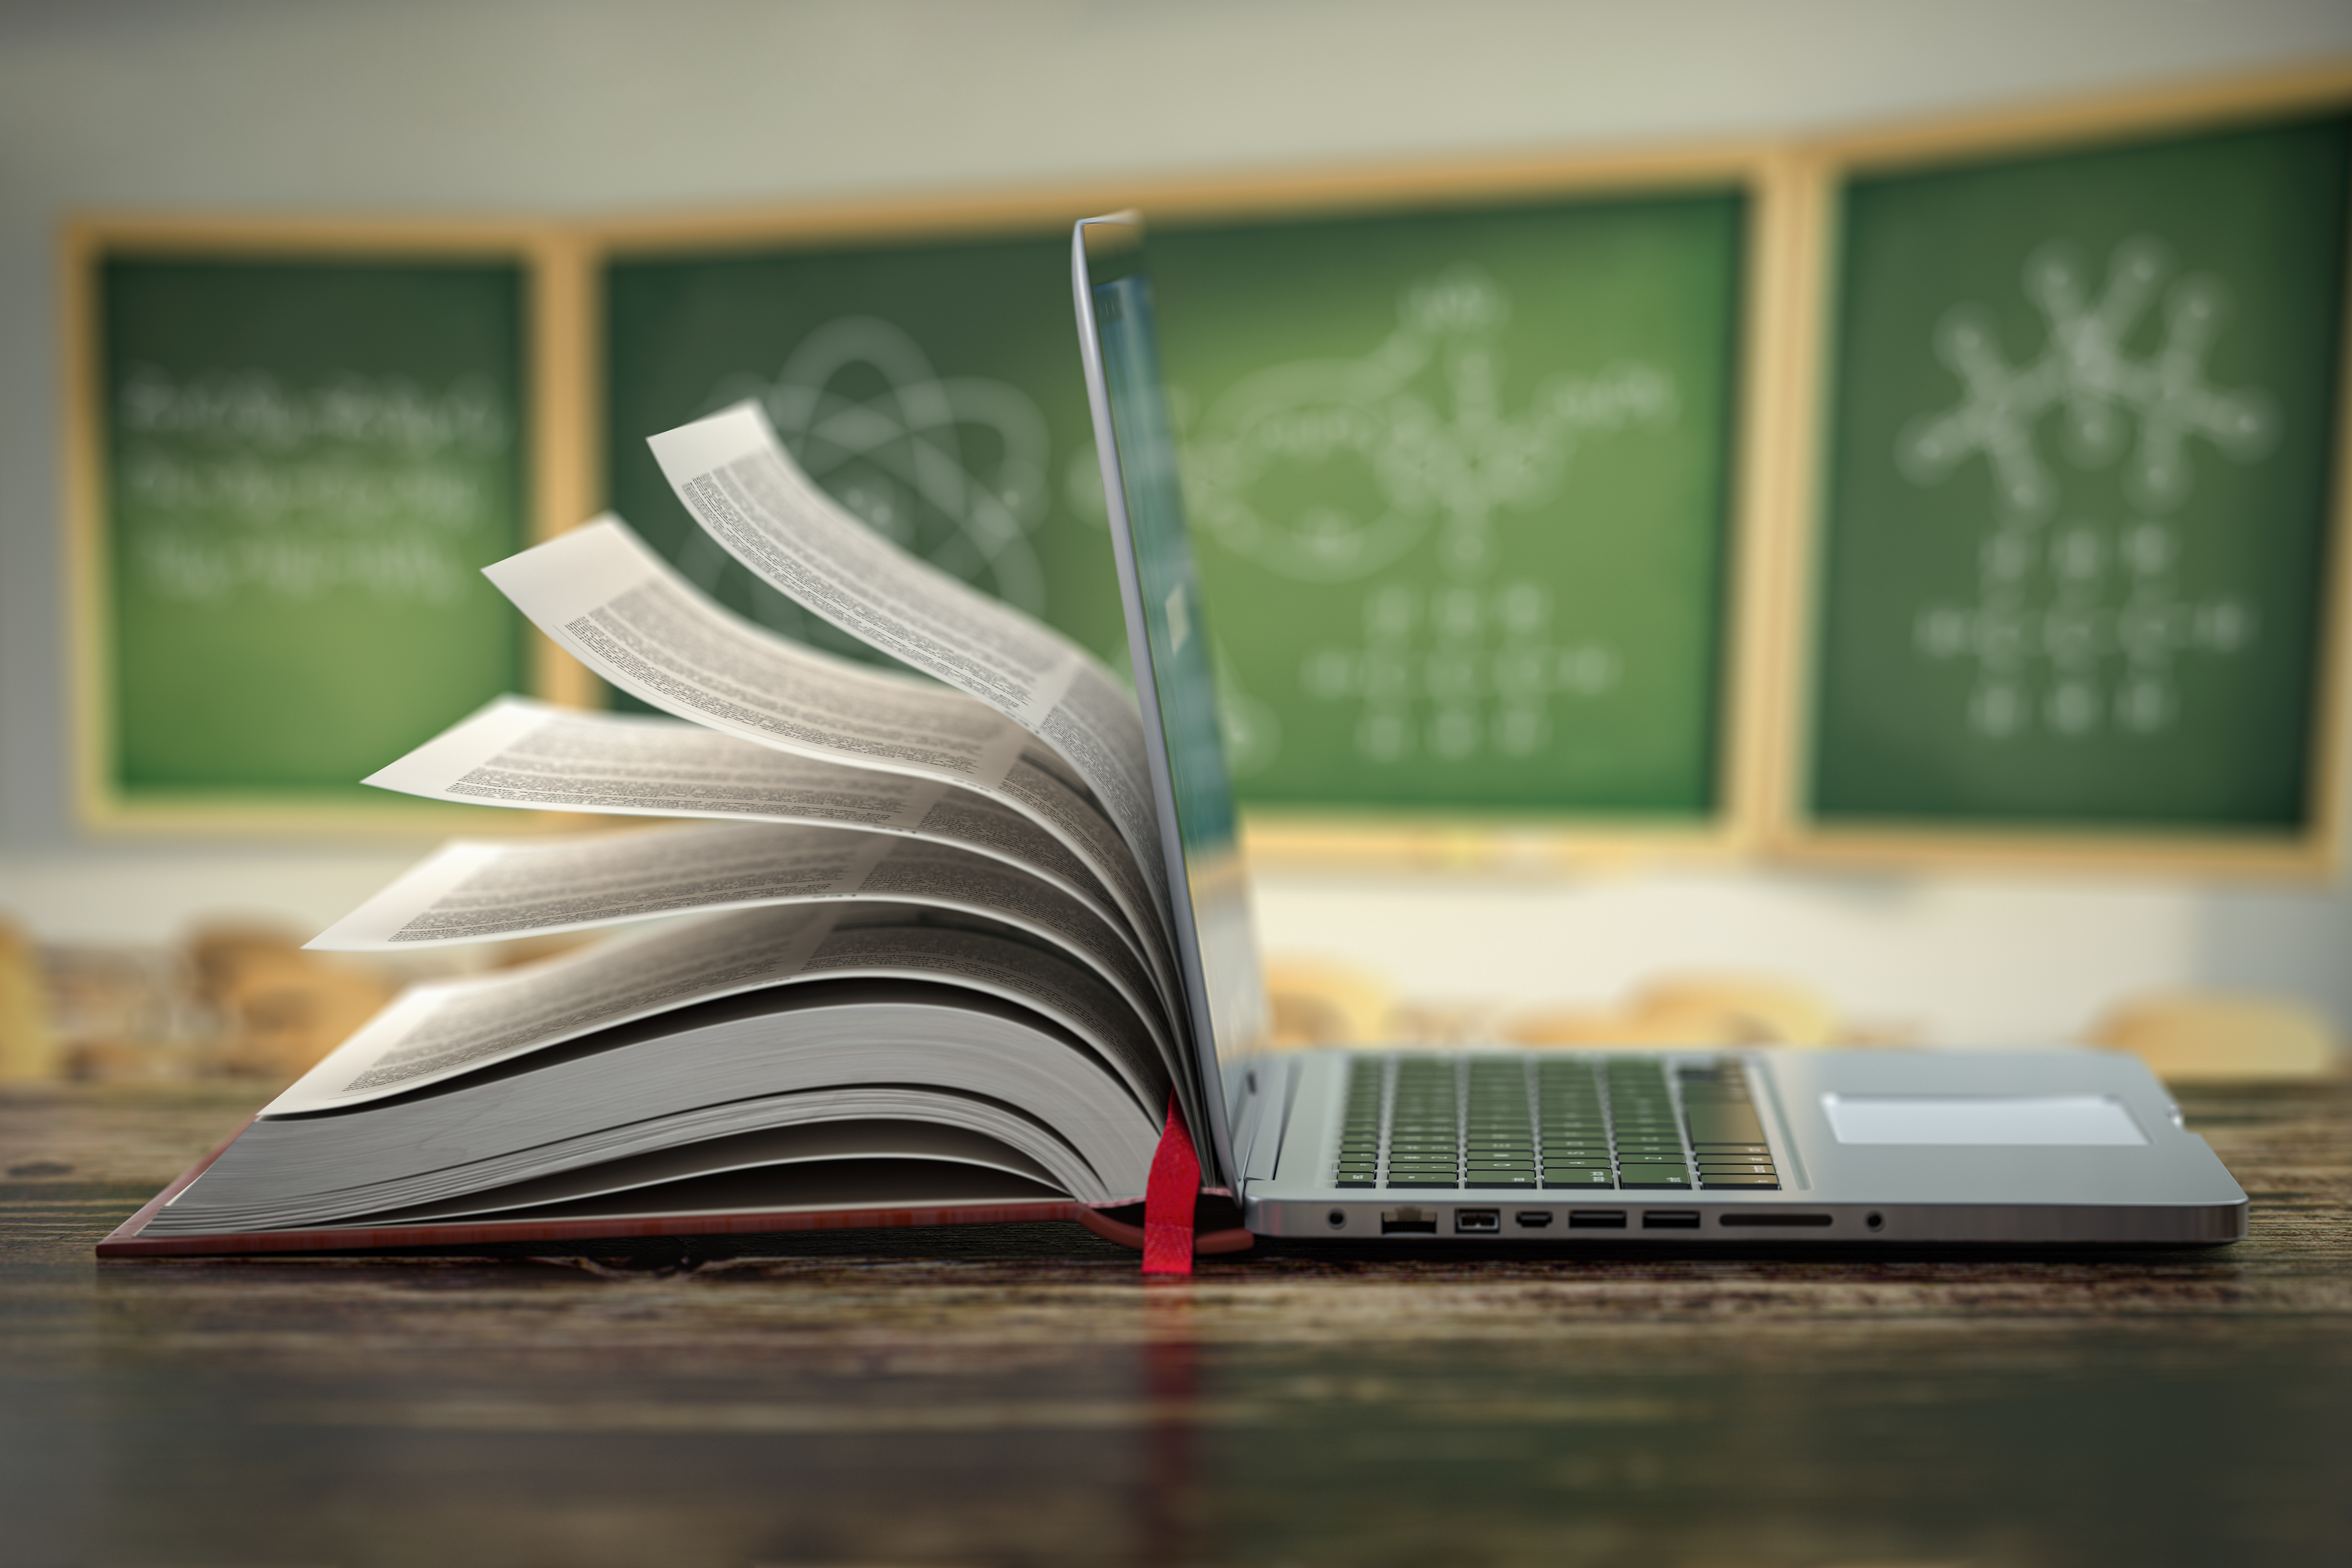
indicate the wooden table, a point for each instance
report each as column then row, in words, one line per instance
column 1024, row 1397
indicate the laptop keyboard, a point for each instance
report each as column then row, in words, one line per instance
column 1529, row 1121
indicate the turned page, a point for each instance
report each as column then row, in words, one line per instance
column 442, row 1030
column 744, row 487
column 526, row 754
column 611, row 602
column 476, row 890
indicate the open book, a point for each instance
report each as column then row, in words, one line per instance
column 906, row 959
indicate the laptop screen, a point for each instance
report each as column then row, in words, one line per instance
column 1174, row 670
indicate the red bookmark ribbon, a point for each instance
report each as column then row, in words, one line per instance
column 1168, row 1200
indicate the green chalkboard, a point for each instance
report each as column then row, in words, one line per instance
column 1458, row 477
column 2077, row 501
column 304, row 462
column 1458, row 484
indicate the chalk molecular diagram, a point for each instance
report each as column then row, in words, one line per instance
column 1417, row 433
column 2075, row 600
column 953, row 468
column 1422, row 417
column 1483, row 666
column 2077, row 625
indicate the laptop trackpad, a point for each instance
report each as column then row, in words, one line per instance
column 2073, row 1120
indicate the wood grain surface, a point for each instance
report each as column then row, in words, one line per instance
column 1019, row 1394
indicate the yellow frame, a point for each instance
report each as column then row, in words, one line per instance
column 1461, row 840
column 555, row 267
column 1788, row 830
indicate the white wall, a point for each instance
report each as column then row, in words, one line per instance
column 593, row 105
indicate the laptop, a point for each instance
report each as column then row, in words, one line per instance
column 1558, row 1148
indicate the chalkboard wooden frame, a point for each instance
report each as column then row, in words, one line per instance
column 1766, row 177
column 552, row 361
column 1791, row 828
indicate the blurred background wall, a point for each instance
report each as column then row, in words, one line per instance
column 508, row 106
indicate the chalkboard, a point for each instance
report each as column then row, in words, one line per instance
column 1459, row 477
column 1459, row 483
column 295, row 456
column 2080, row 487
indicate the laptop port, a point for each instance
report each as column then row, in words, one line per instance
column 1533, row 1219
column 1408, row 1221
column 1766, row 1216
column 1670, row 1219
column 1596, row 1219
column 1477, row 1221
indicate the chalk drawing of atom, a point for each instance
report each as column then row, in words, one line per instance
column 953, row 468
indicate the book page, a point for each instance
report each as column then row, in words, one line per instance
column 744, row 487
column 439, row 1031
column 518, row 752
column 476, row 890
column 622, row 610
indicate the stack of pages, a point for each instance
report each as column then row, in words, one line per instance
column 916, row 964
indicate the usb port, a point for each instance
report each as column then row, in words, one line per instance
column 1596, row 1219
column 1477, row 1221
column 1533, row 1219
column 1670, row 1219
column 1409, row 1221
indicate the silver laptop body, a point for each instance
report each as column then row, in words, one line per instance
column 1558, row 1148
